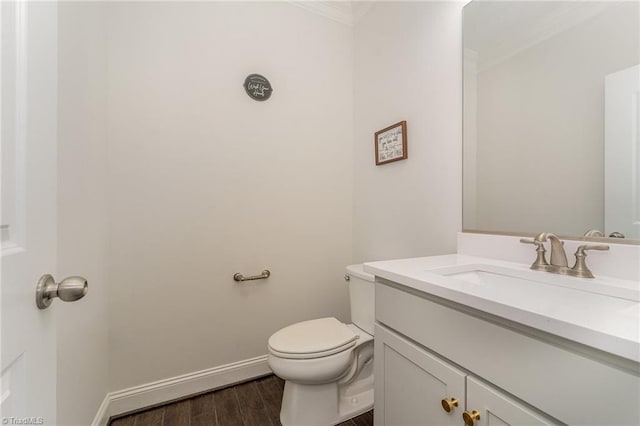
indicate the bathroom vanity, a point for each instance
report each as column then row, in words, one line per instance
column 462, row 339
column 478, row 337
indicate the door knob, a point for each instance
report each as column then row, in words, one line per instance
column 68, row 290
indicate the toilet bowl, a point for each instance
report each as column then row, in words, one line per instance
column 328, row 365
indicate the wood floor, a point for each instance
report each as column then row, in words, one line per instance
column 255, row 403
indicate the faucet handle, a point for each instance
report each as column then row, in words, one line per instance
column 580, row 269
column 581, row 249
column 540, row 264
column 593, row 233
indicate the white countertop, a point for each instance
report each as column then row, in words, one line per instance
column 577, row 309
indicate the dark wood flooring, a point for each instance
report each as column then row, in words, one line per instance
column 255, row 403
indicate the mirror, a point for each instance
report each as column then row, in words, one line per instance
column 538, row 118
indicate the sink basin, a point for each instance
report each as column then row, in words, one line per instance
column 506, row 279
column 481, row 277
column 601, row 312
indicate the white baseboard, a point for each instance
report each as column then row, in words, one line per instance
column 142, row 396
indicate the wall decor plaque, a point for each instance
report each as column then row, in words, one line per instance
column 258, row 87
column 391, row 143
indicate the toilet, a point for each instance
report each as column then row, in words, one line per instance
column 328, row 365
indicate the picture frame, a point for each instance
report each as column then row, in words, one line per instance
column 391, row 143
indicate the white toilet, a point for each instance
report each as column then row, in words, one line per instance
column 328, row 365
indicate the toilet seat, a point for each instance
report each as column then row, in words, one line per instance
column 312, row 339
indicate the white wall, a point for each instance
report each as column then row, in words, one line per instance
column 541, row 128
column 202, row 182
column 82, row 210
column 205, row 182
column 408, row 66
column 470, row 146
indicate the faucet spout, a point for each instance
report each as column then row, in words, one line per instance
column 558, row 255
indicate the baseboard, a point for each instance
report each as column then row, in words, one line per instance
column 150, row 394
column 102, row 416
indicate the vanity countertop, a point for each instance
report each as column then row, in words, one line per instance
column 603, row 313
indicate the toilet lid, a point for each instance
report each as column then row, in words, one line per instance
column 312, row 339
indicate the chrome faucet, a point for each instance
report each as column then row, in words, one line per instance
column 558, row 257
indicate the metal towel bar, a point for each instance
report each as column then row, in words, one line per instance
column 239, row 277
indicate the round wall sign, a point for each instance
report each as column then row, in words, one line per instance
column 258, row 87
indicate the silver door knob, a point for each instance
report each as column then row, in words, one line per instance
column 68, row 290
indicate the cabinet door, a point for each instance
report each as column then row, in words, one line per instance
column 410, row 384
column 498, row 409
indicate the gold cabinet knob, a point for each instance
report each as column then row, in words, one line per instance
column 449, row 404
column 471, row 417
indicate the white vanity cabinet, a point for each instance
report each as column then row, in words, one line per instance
column 420, row 389
column 414, row 384
column 429, row 348
column 496, row 408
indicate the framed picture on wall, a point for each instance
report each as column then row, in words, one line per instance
column 391, row 143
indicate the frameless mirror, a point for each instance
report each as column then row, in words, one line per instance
column 551, row 117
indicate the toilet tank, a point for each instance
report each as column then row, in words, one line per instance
column 362, row 297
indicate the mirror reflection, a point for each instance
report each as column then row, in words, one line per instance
column 551, row 116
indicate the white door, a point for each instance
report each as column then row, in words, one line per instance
column 622, row 152
column 28, row 210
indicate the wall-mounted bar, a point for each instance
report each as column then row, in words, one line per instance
column 239, row 277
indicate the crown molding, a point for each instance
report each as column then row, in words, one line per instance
column 360, row 9
column 567, row 16
column 339, row 11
